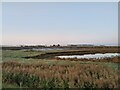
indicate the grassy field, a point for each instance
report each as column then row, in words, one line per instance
column 19, row 72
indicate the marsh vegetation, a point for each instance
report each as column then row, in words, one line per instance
column 26, row 69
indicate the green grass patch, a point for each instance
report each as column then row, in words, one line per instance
column 8, row 85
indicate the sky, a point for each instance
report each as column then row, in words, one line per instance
column 36, row 23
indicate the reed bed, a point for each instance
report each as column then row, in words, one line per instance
column 38, row 75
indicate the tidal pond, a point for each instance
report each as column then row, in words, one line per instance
column 89, row 56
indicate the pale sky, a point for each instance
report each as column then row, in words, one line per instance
column 63, row 23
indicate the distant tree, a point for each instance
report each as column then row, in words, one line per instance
column 58, row 45
column 53, row 45
column 21, row 46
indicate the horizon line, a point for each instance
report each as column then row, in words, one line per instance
column 60, row 44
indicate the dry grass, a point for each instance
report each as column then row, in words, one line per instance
column 55, row 76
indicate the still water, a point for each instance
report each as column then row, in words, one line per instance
column 46, row 49
column 89, row 56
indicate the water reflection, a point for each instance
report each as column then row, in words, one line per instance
column 89, row 56
column 46, row 49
